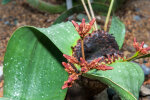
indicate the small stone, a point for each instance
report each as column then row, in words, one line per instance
column 137, row 9
column 145, row 69
column 137, row 18
column 98, row 18
column 6, row 22
column 144, row 91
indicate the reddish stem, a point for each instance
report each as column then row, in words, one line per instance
column 82, row 48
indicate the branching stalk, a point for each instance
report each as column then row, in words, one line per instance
column 133, row 57
column 82, row 48
column 92, row 13
column 108, row 15
column 86, row 10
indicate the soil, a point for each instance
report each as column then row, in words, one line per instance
column 16, row 14
column 135, row 14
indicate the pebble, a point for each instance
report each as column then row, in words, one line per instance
column 144, row 91
column 6, row 22
column 145, row 69
column 137, row 9
column 137, row 18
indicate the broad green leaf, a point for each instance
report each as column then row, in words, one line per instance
column 126, row 79
column 97, row 7
column 63, row 35
column 3, row 98
column 5, row 1
column 32, row 67
column 117, row 29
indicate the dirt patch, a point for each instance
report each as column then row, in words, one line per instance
column 16, row 14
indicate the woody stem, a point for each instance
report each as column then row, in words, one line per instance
column 108, row 15
column 82, row 48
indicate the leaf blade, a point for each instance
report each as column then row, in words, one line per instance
column 5, row 2
column 126, row 87
column 64, row 38
column 117, row 29
column 30, row 70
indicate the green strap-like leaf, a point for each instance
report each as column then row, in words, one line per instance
column 126, row 79
column 5, row 1
column 32, row 67
column 117, row 29
column 46, row 7
column 97, row 7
